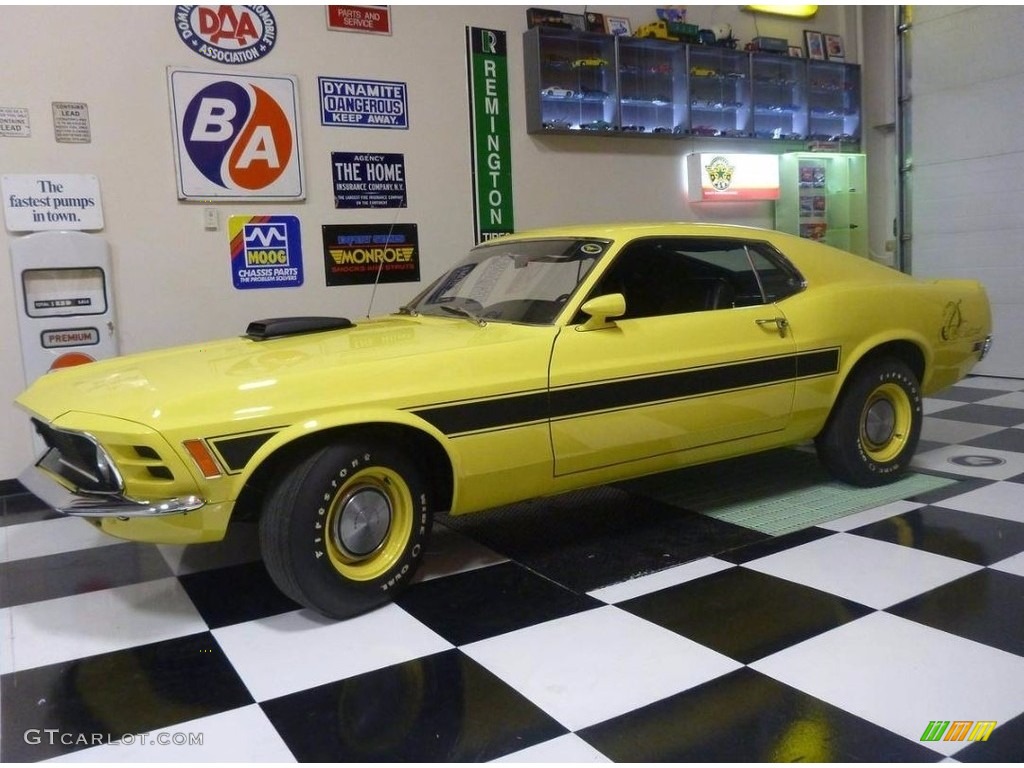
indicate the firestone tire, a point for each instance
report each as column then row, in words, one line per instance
column 344, row 529
column 873, row 429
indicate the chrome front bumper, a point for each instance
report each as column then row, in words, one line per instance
column 59, row 498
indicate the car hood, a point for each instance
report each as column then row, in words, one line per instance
column 391, row 361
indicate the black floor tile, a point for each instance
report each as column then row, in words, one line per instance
column 235, row 593
column 1004, row 440
column 598, row 537
column 993, row 415
column 439, row 708
column 102, row 698
column 85, row 570
column 965, row 393
column 24, row 508
column 1004, row 745
column 965, row 536
column 490, row 601
column 775, row 614
column 770, row 546
column 985, row 606
column 962, row 486
column 747, row 717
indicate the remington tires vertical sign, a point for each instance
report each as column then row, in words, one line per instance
column 492, row 149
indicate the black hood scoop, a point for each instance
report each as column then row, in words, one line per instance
column 272, row 328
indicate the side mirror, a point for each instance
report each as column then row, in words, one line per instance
column 602, row 310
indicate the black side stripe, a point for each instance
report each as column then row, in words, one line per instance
column 532, row 407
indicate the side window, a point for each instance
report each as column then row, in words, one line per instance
column 669, row 276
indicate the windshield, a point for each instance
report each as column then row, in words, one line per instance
column 522, row 282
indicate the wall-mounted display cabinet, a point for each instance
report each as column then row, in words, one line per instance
column 582, row 82
column 823, row 196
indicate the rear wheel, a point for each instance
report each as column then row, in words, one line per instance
column 873, row 430
column 343, row 530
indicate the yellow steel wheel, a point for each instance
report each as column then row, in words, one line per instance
column 885, row 422
column 368, row 523
column 344, row 528
column 873, row 429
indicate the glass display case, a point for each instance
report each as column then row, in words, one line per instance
column 719, row 92
column 652, row 86
column 779, row 85
column 574, row 79
column 823, row 196
column 833, row 100
column 584, row 83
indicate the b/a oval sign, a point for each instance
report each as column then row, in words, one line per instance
column 227, row 34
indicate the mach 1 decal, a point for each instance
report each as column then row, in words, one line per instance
column 236, row 137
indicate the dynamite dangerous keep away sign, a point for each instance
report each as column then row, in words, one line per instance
column 363, row 254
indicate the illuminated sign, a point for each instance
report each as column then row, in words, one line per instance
column 732, row 177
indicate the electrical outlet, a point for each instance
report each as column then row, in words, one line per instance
column 211, row 219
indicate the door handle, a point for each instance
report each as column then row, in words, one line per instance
column 780, row 323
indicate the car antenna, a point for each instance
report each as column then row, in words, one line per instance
column 380, row 265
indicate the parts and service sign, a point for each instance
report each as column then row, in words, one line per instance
column 364, row 254
column 266, row 251
column 227, row 34
column 236, row 137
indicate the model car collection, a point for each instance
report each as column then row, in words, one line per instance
column 541, row 363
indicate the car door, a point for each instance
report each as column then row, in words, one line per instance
column 701, row 356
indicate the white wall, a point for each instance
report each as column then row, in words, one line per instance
column 171, row 277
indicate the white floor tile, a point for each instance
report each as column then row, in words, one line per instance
column 107, row 620
column 901, row 675
column 298, row 650
column 594, row 665
column 1003, row 500
column 242, row 735
column 449, row 552
column 857, row 519
column 1014, row 565
column 993, row 382
column 949, row 431
column 992, row 464
column 873, row 573
column 1009, row 400
column 670, row 577
column 565, row 749
column 50, row 537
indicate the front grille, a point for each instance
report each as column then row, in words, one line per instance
column 77, row 459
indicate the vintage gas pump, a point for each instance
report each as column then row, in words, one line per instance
column 63, row 290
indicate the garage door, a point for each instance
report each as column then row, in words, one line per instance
column 967, row 148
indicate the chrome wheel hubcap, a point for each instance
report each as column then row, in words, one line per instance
column 362, row 524
column 880, row 422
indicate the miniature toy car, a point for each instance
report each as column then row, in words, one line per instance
column 597, row 125
column 540, row 363
column 590, row 61
column 593, row 93
column 700, row 71
column 556, row 92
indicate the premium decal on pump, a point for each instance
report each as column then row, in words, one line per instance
column 227, row 34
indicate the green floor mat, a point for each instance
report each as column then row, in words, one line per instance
column 775, row 492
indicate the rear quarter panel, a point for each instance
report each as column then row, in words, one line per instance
column 860, row 306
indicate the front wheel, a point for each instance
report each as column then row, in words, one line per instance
column 343, row 530
column 874, row 427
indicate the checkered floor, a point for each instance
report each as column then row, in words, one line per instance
column 596, row 627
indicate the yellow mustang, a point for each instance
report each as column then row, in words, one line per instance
column 541, row 363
